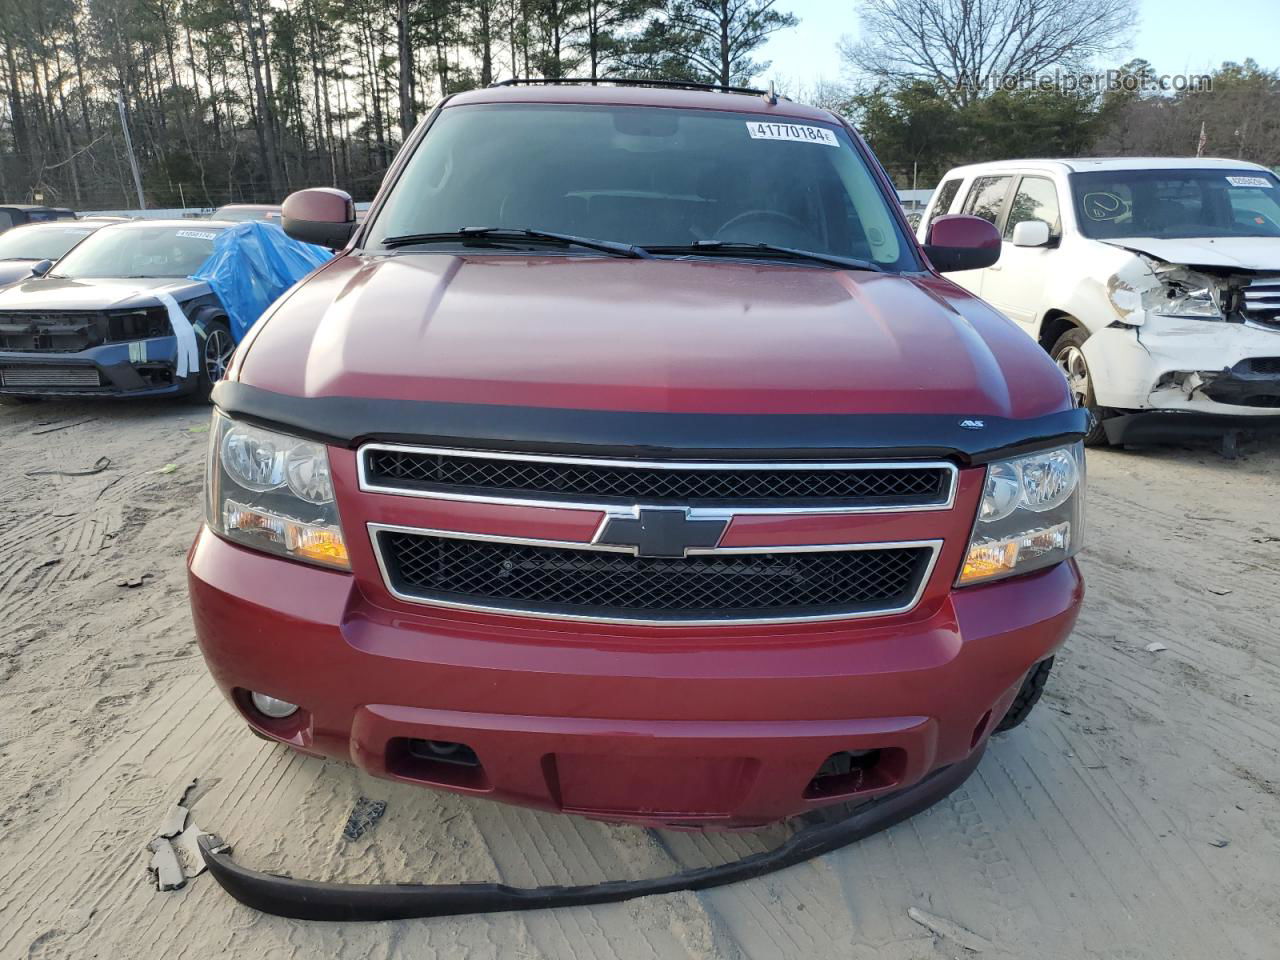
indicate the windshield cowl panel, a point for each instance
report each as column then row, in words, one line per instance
column 645, row 177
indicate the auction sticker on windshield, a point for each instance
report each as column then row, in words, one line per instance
column 759, row 130
column 1249, row 181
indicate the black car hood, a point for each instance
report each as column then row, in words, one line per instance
column 49, row 293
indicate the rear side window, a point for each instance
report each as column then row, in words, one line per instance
column 1036, row 199
column 6, row 220
column 986, row 198
column 946, row 194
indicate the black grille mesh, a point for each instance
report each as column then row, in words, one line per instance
column 1265, row 365
column 70, row 331
column 619, row 585
column 893, row 485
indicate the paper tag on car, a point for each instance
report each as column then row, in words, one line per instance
column 760, row 130
column 196, row 235
column 1249, row 181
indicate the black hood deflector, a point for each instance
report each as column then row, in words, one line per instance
column 350, row 421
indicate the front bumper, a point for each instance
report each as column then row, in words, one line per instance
column 696, row 727
column 134, row 368
column 1203, row 367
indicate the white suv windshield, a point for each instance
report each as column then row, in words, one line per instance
column 655, row 177
column 1177, row 204
column 42, row 241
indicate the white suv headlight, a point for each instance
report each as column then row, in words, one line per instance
column 1190, row 297
column 1031, row 515
column 274, row 493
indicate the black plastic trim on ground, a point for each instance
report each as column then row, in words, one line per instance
column 1170, row 426
column 309, row 900
column 350, row 421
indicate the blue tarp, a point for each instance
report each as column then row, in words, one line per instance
column 252, row 264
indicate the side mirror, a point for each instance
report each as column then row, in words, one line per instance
column 1030, row 233
column 320, row 215
column 960, row 242
column 41, row 268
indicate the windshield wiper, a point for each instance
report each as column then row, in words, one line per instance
column 478, row 236
column 771, row 249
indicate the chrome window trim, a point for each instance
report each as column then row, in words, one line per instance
column 552, row 501
column 934, row 547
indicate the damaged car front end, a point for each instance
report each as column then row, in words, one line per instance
column 117, row 316
column 1186, row 339
column 1193, row 348
column 115, row 348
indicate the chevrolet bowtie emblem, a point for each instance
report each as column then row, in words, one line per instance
column 662, row 532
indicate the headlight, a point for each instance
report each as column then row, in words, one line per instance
column 274, row 493
column 1180, row 300
column 1031, row 515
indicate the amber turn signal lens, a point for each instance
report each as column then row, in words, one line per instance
column 987, row 559
column 994, row 557
column 306, row 541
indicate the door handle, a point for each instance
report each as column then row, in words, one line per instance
column 994, row 268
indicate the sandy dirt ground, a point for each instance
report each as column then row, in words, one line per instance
column 1136, row 815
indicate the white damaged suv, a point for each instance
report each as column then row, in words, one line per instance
column 1153, row 282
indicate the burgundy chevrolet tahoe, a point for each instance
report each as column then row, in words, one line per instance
column 633, row 460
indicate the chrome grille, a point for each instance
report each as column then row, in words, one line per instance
column 718, row 586
column 466, row 474
column 1262, row 301
column 40, row 376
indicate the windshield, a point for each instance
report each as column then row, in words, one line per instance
column 1177, row 204
column 40, row 242
column 655, row 177
column 140, row 250
column 240, row 214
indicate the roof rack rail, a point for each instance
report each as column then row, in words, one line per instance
column 630, row 82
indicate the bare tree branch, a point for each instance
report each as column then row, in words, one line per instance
column 969, row 47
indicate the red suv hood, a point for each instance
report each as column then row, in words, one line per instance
column 648, row 335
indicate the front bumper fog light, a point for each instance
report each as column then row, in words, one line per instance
column 272, row 707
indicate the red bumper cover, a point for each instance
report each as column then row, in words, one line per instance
column 700, row 727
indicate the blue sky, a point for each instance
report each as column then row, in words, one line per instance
column 1177, row 36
